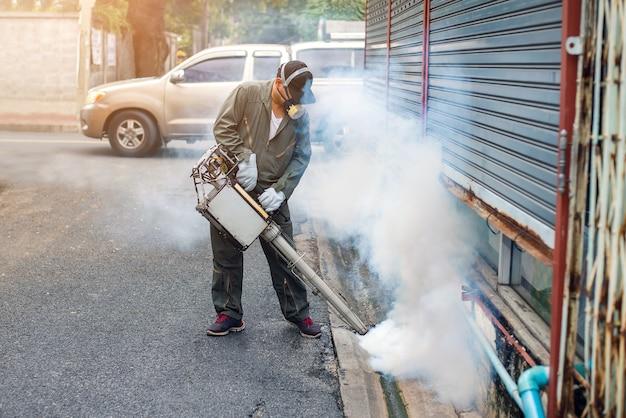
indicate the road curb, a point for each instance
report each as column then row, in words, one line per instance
column 361, row 391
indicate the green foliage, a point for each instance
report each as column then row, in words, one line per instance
column 111, row 15
column 287, row 21
column 183, row 15
column 273, row 22
column 337, row 9
column 180, row 18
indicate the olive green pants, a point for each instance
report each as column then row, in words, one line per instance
column 228, row 275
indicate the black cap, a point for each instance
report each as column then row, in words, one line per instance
column 299, row 84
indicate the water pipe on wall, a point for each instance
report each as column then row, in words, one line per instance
column 529, row 386
column 527, row 392
column 506, row 378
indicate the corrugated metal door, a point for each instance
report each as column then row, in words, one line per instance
column 493, row 101
column 405, row 57
column 376, row 47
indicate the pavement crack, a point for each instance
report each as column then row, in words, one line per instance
column 260, row 410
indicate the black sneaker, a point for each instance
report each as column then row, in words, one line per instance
column 223, row 325
column 308, row 328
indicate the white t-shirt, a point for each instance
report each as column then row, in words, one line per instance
column 274, row 124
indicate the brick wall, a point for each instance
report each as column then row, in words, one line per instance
column 38, row 64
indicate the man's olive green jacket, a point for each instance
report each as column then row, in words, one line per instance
column 243, row 126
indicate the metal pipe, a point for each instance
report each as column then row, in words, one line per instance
column 505, row 377
column 607, row 183
column 389, row 3
column 590, row 348
column 367, row 18
column 529, row 385
column 472, row 295
column 619, row 221
column 571, row 27
column 425, row 64
column 273, row 235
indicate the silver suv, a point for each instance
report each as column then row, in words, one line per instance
column 139, row 115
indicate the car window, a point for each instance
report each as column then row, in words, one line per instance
column 333, row 62
column 215, row 70
column 265, row 67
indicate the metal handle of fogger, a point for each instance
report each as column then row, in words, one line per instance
column 296, row 263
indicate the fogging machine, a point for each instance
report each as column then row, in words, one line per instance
column 239, row 217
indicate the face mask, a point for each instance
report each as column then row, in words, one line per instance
column 293, row 109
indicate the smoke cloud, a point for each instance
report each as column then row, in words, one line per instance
column 380, row 189
column 135, row 201
column 383, row 188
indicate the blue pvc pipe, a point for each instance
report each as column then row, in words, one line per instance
column 505, row 377
column 529, row 386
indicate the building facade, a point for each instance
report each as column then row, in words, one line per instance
column 537, row 159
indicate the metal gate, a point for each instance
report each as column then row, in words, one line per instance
column 492, row 76
column 377, row 17
column 394, row 53
column 405, row 57
column 493, row 101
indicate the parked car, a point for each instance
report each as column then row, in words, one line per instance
column 338, row 79
column 138, row 116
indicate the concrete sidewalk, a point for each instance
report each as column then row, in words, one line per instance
column 39, row 122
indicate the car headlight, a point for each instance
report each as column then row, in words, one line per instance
column 94, row 97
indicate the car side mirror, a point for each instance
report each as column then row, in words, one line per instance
column 177, row 76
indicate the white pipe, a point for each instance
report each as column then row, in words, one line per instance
column 618, row 216
column 590, row 350
column 608, row 130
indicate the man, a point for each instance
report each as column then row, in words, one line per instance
column 264, row 125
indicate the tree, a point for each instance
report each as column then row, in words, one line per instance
column 337, row 9
column 287, row 21
column 147, row 24
column 111, row 15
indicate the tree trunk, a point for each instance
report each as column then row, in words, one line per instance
column 146, row 19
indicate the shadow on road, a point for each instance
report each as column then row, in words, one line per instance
column 163, row 153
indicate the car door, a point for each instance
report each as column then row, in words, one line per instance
column 191, row 104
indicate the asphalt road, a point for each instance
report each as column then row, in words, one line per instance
column 105, row 296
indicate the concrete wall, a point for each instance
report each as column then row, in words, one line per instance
column 38, row 66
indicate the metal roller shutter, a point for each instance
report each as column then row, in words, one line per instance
column 493, row 101
column 405, row 57
column 376, row 46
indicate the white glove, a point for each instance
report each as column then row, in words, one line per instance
column 271, row 200
column 247, row 174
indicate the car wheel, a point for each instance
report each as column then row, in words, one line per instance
column 133, row 133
